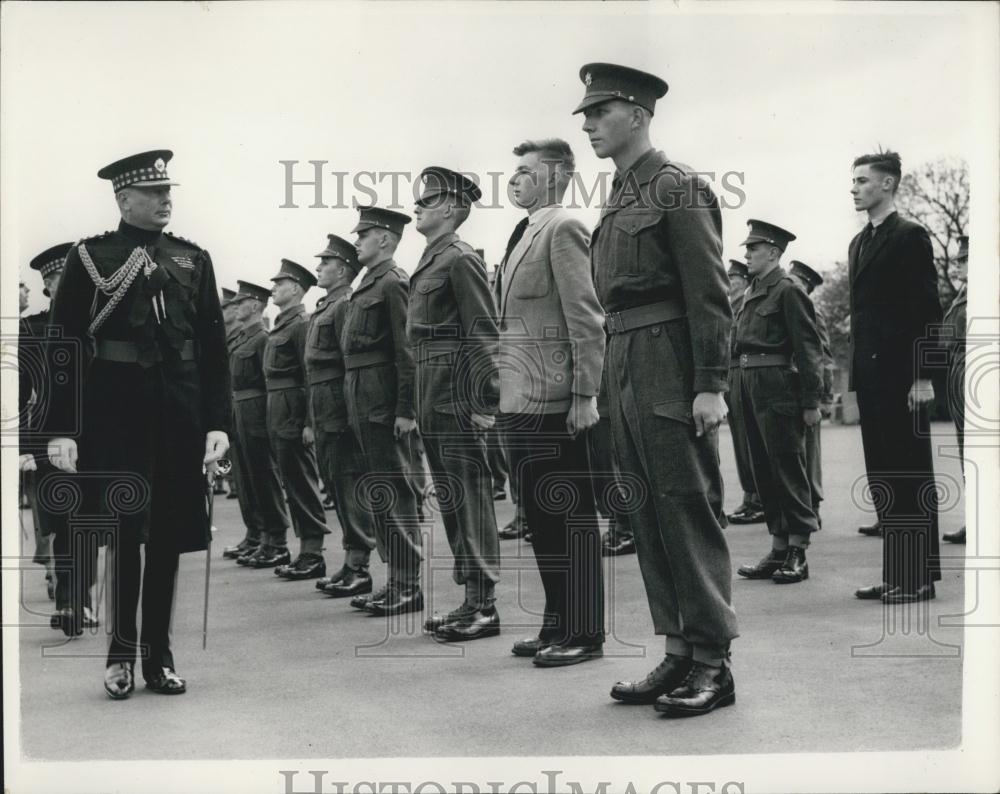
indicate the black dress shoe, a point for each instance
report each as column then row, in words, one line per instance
column 871, row 530
column 436, row 621
column 398, row 601
column 957, row 536
column 323, row 581
column 897, row 596
column 617, row 546
column 472, row 626
column 529, row 647
column 354, row 583
column 563, row 655
column 665, row 678
column 765, row 568
column 705, row 688
column 306, row 566
column 793, row 569
column 746, row 514
column 241, row 548
column 119, row 680
column 873, row 593
column 364, row 602
column 68, row 620
column 166, row 682
column 249, row 554
column 269, row 557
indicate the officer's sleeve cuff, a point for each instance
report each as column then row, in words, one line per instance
column 711, row 379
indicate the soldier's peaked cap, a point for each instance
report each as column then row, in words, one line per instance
column 738, row 268
column 51, row 259
column 341, row 249
column 148, row 169
column 803, row 271
column 250, row 290
column 295, row 272
column 963, row 247
column 764, row 232
column 378, row 218
column 607, row 81
column 227, row 296
column 438, row 181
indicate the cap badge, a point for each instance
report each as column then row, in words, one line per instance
column 159, row 165
column 587, row 80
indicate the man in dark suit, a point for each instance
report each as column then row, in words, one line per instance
column 154, row 407
column 894, row 299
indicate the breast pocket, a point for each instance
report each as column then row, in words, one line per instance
column 532, row 280
column 369, row 313
column 246, row 368
column 631, row 233
column 769, row 319
column 429, row 295
column 284, row 354
column 326, row 336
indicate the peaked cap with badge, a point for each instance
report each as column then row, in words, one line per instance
column 148, row 169
column 339, row 248
column 607, row 81
column 228, row 295
column 764, row 232
column 295, row 272
column 803, row 271
column 438, row 182
column 738, row 268
column 250, row 290
column 378, row 218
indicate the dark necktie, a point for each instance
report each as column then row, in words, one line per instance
column 515, row 238
column 866, row 239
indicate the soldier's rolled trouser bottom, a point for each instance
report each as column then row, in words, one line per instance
column 677, row 511
column 387, row 491
column 340, row 463
column 300, row 477
column 158, row 576
column 464, row 487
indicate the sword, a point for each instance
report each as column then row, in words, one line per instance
column 223, row 467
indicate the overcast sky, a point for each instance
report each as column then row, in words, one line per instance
column 785, row 99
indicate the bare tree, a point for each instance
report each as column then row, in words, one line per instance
column 936, row 194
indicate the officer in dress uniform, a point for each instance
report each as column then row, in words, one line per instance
column 290, row 432
column 656, row 256
column 953, row 340
column 378, row 386
column 809, row 279
column 337, row 448
column 750, row 510
column 262, row 503
column 780, row 400
column 451, row 326
column 153, row 407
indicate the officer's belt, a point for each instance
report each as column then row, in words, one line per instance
column 432, row 348
column 280, row 384
column 642, row 316
column 126, row 352
column 751, row 360
column 370, row 359
column 323, row 374
column 247, row 394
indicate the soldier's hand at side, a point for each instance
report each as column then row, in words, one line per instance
column 308, row 436
column 482, row 421
column 811, row 416
column 404, row 426
column 216, row 445
column 921, row 393
column 62, row 453
column 708, row 411
column 582, row 414
column 27, row 463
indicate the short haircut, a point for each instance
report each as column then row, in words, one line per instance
column 887, row 162
column 549, row 150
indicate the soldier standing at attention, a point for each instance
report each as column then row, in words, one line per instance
column 262, row 502
column 289, row 430
column 451, row 326
column 378, row 387
column 155, row 406
column 750, row 510
column 954, row 342
column 656, row 256
column 779, row 400
column 337, row 449
column 233, row 330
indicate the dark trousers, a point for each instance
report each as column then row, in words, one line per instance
column 464, row 486
column 900, row 467
column 496, row 457
column 738, row 430
column 557, row 494
column 158, row 576
column 246, row 495
column 258, row 470
column 776, row 436
column 75, row 556
column 814, row 464
column 607, row 479
column 341, row 467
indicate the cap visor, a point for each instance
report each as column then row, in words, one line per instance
column 155, row 183
column 590, row 101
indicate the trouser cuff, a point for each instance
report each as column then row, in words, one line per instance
column 678, row 646
column 713, row 657
column 279, row 538
column 357, row 558
column 311, row 546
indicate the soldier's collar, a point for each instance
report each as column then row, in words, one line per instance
column 439, row 244
column 769, row 280
column 287, row 314
column 136, row 235
column 643, row 169
column 373, row 273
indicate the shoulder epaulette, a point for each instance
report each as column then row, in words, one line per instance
column 95, row 237
column 402, row 274
column 185, row 240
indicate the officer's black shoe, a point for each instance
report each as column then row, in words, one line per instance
column 364, row 602
column 871, row 530
column 529, row 647
column 665, row 678
column 897, row 596
column 476, row 625
column 873, row 593
column 306, row 566
column 764, row 568
column 794, row 568
column 746, row 514
column 615, row 547
column 241, row 548
column 119, row 680
column 398, row 601
column 323, row 581
column 270, row 557
column 952, row 537
column 68, row 621
column 435, row 621
column 563, row 655
column 354, row 583
column 704, row 688
column 166, row 682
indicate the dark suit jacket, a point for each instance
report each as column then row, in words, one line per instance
column 894, row 298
